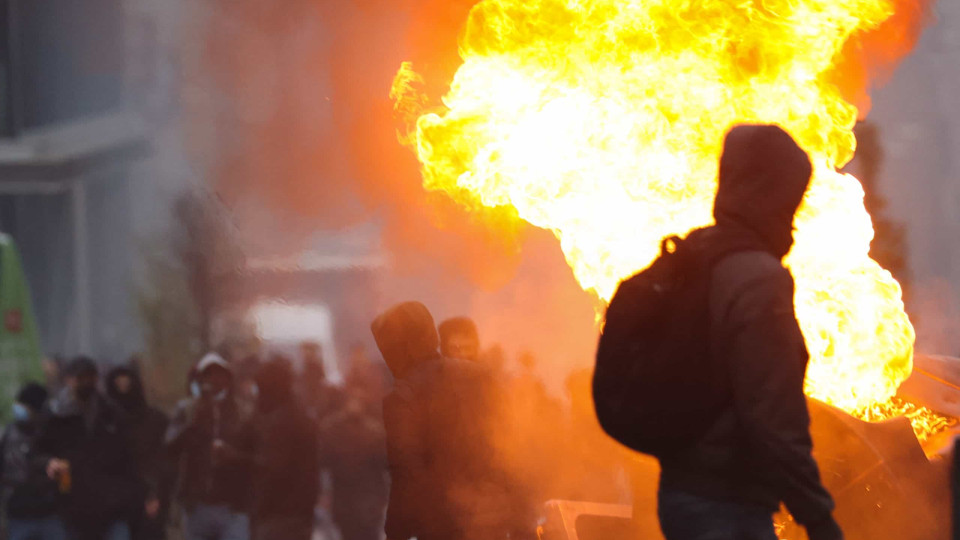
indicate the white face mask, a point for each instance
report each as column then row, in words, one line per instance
column 221, row 395
column 21, row 413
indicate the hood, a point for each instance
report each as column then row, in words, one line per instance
column 133, row 400
column 406, row 337
column 213, row 359
column 763, row 177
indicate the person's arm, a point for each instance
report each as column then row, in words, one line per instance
column 181, row 428
column 767, row 362
column 407, row 464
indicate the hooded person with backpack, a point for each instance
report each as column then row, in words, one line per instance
column 702, row 361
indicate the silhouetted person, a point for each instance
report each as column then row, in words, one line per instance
column 353, row 443
column 211, row 439
column 147, row 429
column 316, row 393
column 758, row 453
column 286, row 455
column 31, row 497
column 446, row 483
column 459, row 339
column 88, row 437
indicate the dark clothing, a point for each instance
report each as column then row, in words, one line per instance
column 28, row 493
column 148, row 427
column 758, row 452
column 287, row 465
column 95, row 439
column 48, row 528
column 353, row 450
column 206, row 477
column 763, row 177
column 445, row 482
column 689, row 517
column 215, row 522
column 284, row 528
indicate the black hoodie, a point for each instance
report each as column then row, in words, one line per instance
column 148, row 427
column 759, row 451
column 443, row 476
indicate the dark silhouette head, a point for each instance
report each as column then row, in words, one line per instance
column 275, row 384
column 763, row 177
column 406, row 337
column 32, row 395
column 125, row 388
column 82, row 378
column 459, row 339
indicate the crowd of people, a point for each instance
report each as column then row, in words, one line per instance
column 458, row 447
column 271, row 450
column 261, row 452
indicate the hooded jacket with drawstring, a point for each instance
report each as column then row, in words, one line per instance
column 444, row 482
column 758, row 452
column 204, row 476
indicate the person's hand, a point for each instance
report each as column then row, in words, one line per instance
column 222, row 450
column 57, row 467
column 152, row 507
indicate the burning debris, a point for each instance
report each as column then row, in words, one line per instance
column 601, row 122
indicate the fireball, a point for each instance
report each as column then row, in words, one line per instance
column 602, row 121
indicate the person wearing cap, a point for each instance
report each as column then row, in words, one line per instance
column 87, row 438
column 211, row 438
column 31, row 498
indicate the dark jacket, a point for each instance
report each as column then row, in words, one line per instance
column 148, row 428
column 445, row 484
column 104, row 483
column 27, row 490
column 287, row 456
column 759, row 450
column 353, row 450
column 206, row 478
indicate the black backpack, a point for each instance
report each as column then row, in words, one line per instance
column 656, row 388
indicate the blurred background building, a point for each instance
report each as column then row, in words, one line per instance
column 96, row 156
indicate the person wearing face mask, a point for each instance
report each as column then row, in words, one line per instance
column 211, row 439
column 31, row 497
column 87, row 440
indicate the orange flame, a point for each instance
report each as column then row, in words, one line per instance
column 603, row 120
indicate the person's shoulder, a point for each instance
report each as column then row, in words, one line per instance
column 747, row 267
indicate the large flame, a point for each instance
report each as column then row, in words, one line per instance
column 603, row 120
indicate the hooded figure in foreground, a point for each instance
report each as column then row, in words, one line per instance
column 757, row 454
column 445, row 481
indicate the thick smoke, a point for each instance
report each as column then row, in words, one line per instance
column 870, row 58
